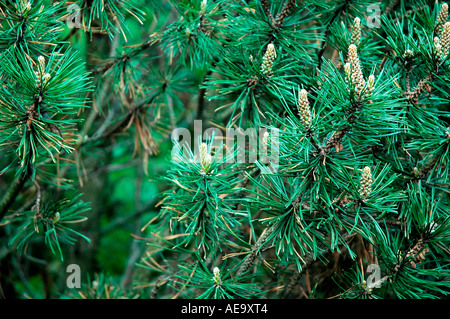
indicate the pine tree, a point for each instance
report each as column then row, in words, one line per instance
column 333, row 182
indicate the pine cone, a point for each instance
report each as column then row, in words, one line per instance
column 205, row 158
column 365, row 183
column 445, row 39
column 441, row 19
column 357, row 75
column 370, row 85
column 356, row 32
column 303, row 109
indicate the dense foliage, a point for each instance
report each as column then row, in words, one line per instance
column 225, row 149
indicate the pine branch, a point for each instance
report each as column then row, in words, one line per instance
column 119, row 126
column 336, row 138
column 266, row 7
column 430, row 164
column 421, row 86
column 254, row 251
column 407, row 14
column 391, row 6
column 202, row 92
column 310, row 136
column 135, row 247
column 308, row 261
column 159, row 282
column 417, row 252
column 324, row 43
column 284, row 13
column 136, row 50
column 11, row 194
column 37, row 205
